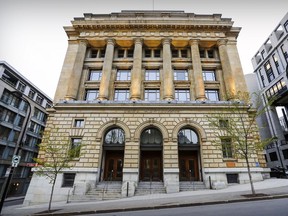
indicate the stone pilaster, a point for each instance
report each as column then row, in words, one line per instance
column 168, row 85
column 106, row 70
column 136, row 76
column 197, row 71
column 71, row 71
column 227, row 69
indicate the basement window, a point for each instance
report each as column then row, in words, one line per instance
column 68, row 179
column 232, row 178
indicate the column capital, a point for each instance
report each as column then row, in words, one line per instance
column 138, row 41
column 110, row 41
column 221, row 42
column 83, row 41
column 166, row 41
column 193, row 42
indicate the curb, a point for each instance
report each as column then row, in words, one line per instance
column 166, row 206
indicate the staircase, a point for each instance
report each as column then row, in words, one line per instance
column 145, row 188
column 191, row 185
column 106, row 190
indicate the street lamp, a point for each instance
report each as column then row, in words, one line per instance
column 16, row 151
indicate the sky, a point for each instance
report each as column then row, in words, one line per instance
column 33, row 41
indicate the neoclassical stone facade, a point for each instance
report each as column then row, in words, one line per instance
column 136, row 90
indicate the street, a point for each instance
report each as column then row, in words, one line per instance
column 254, row 208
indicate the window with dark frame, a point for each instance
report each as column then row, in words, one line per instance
column 180, row 75
column 182, row 94
column 91, row 94
column 31, row 94
column 68, row 179
column 95, row 75
column 276, row 62
column 226, row 144
column 269, row 71
column 212, row 95
column 223, row 123
column 209, row 75
column 285, row 153
column 273, row 156
column 78, row 123
column 152, row 75
column 115, row 136
column 123, row 75
column 152, row 95
column 121, row 95
column 75, row 143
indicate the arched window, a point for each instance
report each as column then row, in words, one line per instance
column 151, row 136
column 115, row 136
column 187, row 136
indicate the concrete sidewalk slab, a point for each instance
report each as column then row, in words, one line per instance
column 271, row 188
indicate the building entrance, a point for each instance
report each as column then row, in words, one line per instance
column 113, row 166
column 151, row 166
column 188, row 166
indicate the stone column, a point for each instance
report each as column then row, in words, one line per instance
column 136, row 76
column 227, row 69
column 168, row 85
column 170, row 166
column 106, row 70
column 71, row 71
column 197, row 71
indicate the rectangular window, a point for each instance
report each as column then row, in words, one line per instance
column 10, row 99
column 276, row 62
column 226, row 147
column 184, row 53
column 262, row 53
column 269, row 71
column 4, row 133
column 157, row 53
column 148, row 53
column 121, row 53
column 7, row 116
column 223, row 123
column 210, row 53
column 232, row 178
column 209, row 75
column 75, row 143
column 130, row 53
column 152, row 95
column 273, row 156
column 123, row 75
column 95, row 75
column 79, row 123
column 180, row 75
column 151, row 75
column 39, row 99
column 31, row 94
column 91, row 94
column 68, row 179
column 21, row 87
column 285, row 53
column 262, row 78
column 41, row 116
column 175, row 53
column 93, row 53
column 212, row 95
column 182, row 94
column 121, row 95
column 202, row 53
column 285, row 153
column 101, row 53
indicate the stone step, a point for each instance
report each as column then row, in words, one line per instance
column 192, row 186
column 145, row 188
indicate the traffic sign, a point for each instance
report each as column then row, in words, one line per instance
column 15, row 160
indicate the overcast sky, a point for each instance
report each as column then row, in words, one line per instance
column 33, row 41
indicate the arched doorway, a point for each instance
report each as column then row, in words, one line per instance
column 189, row 146
column 113, row 154
column 151, row 142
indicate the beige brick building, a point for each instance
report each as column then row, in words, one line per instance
column 136, row 89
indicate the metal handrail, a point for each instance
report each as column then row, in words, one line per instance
column 109, row 179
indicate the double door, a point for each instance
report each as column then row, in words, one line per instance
column 188, row 165
column 113, row 170
column 151, row 166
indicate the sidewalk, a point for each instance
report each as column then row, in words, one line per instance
column 270, row 188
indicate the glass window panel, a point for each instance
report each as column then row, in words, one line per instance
column 187, row 136
column 95, row 75
column 182, row 94
column 151, row 75
column 123, row 75
column 180, row 75
column 212, row 95
column 152, row 95
column 121, row 95
column 91, row 94
column 151, row 136
column 157, row 53
column 115, row 136
column 209, row 75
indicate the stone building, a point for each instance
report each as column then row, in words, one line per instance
column 135, row 90
column 22, row 114
column 270, row 66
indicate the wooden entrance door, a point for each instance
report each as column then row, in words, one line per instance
column 151, row 166
column 113, row 166
column 188, row 165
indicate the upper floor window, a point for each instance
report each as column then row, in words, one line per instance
column 152, row 75
column 269, row 71
column 115, row 136
column 121, row 94
column 212, row 95
column 182, row 95
column 151, row 136
column 262, row 78
column 152, row 94
column 285, row 53
column 276, row 62
column 262, row 54
column 41, row 116
column 21, row 87
column 79, row 123
column 123, row 75
column 95, row 75
column 180, row 75
column 179, row 53
column 91, row 94
column 152, row 53
column 39, row 99
column 7, row 115
column 277, row 88
column 75, row 146
column 125, row 53
column 209, row 75
column 10, row 99
column 226, row 147
column 223, row 123
column 31, row 94
column 207, row 52
column 97, row 53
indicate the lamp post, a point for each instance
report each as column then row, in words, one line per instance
column 16, row 151
column 280, row 158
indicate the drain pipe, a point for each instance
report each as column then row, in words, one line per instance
column 127, row 192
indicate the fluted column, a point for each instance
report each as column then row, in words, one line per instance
column 106, row 70
column 136, row 76
column 227, row 70
column 197, row 71
column 71, row 71
column 167, row 71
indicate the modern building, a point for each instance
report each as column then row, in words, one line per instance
column 270, row 67
column 136, row 90
column 22, row 115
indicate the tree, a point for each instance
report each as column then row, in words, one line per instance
column 236, row 130
column 55, row 154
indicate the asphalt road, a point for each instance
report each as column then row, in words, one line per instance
column 271, row 207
